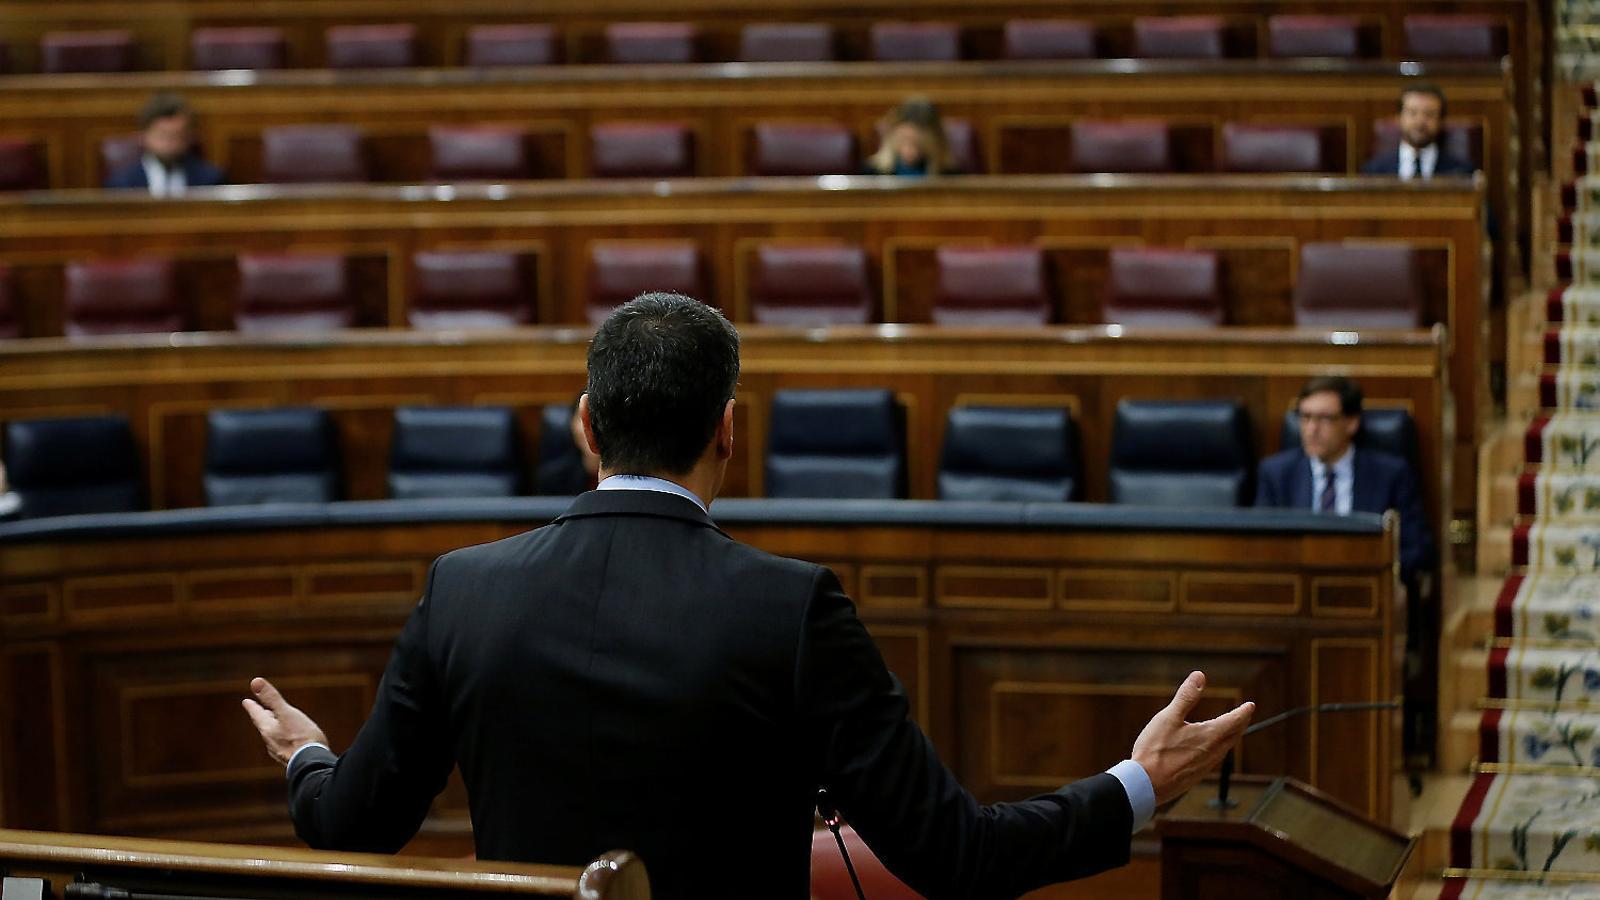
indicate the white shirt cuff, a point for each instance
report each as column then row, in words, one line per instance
column 304, row 747
column 1141, row 793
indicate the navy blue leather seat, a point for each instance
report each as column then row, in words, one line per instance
column 837, row 444
column 1181, row 453
column 453, row 452
column 63, row 467
column 270, row 456
column 1389, row 430
column 560, row 470
column 1009, row 453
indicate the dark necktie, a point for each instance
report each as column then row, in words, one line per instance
column 1325, row 502
column 1415, row 169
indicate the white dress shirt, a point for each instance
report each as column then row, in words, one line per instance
column 1428, row 156
column 1344, row 482
column 164, row 182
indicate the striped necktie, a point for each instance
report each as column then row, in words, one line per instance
column 1325, row 502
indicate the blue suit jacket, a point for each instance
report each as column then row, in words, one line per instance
column 1445, row 165
column 196, row 173
column 1383, row 481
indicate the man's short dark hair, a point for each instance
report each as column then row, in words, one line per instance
column 163, row 106
column 1424, row 87
column 1349, row 392
column 662, row 368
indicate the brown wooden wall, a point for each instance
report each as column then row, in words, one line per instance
column 1031, row 656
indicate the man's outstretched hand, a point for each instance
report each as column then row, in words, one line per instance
column 1176, row 753
column 284, row 729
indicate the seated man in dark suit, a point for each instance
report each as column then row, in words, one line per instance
column 1327, row 472
column 630, row 677
column 170, row 163
column 1419, row 154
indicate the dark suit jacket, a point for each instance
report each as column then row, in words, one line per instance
column 1383, row 482
column 1445, row 165
column 629, row 677
column 196, row 173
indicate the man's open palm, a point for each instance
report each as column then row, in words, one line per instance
column 1177, row 753
column 284, row 729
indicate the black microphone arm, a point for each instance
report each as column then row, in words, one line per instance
column 1225, row 777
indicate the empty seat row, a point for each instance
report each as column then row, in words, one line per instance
column 397, row 45
column 1340, row 285
column 845, row 444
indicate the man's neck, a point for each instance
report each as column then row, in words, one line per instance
column 697, row 481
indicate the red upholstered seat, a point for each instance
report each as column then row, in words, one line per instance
column 916, row 41
column 803, row 148
column 211, row 49
column 641, row 150
column 1163, row 288
column 1358, row 286
column 1463, row 140
column 622, row 270
column 830, row 880
column 511, row 45
column 966, row 151
column 1050, row 39
column 313, row 153
column 391, row 46
column 1136, row 146
column 87, row 51
column 469, row 289
column 129, row 296
column 1179, row 37
column 10, row 320
column 21, row 165
column 1304, row 35
column 1455, row 37
column 991, row 286
column 479, row 152
column 787, row 42
column 637, row 43
column 1252, row 147
column 810, row 284
column 293, row 292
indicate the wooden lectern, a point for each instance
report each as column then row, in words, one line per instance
column 1279, row 839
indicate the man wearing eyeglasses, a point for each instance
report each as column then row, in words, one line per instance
column 1329, row 473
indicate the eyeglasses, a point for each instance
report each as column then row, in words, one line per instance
column 1321, row 418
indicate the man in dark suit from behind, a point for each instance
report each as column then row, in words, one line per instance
column 629, row 677
column 170, row 163
column 1419, row 154
column 1329, row 473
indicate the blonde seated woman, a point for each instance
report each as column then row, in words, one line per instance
column 914, row 142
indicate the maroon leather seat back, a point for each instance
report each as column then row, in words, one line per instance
column 830, row 880
column 622, row 270
column 293, row 292
column 125, row 296
column 1050, row 39
column 966, row 151
column 638, row 43
column 479, row 152
column 313, row 153
column 1180, row 37
column 61, row 52
column 1163, row 288
column 1455, row 37
column 641, row 150
column 1463, row 140
column 810, row 284
column 916, row 41
column 511, row 45
column 469, row 289
column 1252, row 147
column 21, row 165
column 991, row 286
column 10, row 320
column 1136, row 146
column 1349, row 286
column 119, row 151
column 391, row 46
column 803, row 148
column 1305, row 35
column 212, row 49
column 787, row 42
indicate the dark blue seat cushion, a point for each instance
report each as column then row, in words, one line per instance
column 1009, row 454
column 560, row 471
column 836, row 443
column 454, row 451
column 1181, row 453
column 62, row 467
column 270, row 456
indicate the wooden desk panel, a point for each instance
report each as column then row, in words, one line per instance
column 1031, row 655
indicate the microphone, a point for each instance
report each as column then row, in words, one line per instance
column 1222, row 801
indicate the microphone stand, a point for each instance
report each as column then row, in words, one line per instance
column 1225, row 777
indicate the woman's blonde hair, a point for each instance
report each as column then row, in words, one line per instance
column 921, row 113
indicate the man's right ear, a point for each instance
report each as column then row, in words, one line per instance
column 725, row 432
column 588, row 428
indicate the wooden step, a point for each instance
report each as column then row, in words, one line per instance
column 1458, row 741
column 1494, row 550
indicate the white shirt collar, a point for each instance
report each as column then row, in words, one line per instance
column 1344, row 467
column 648, row 483
column 1428, row 157
column 164, row 182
